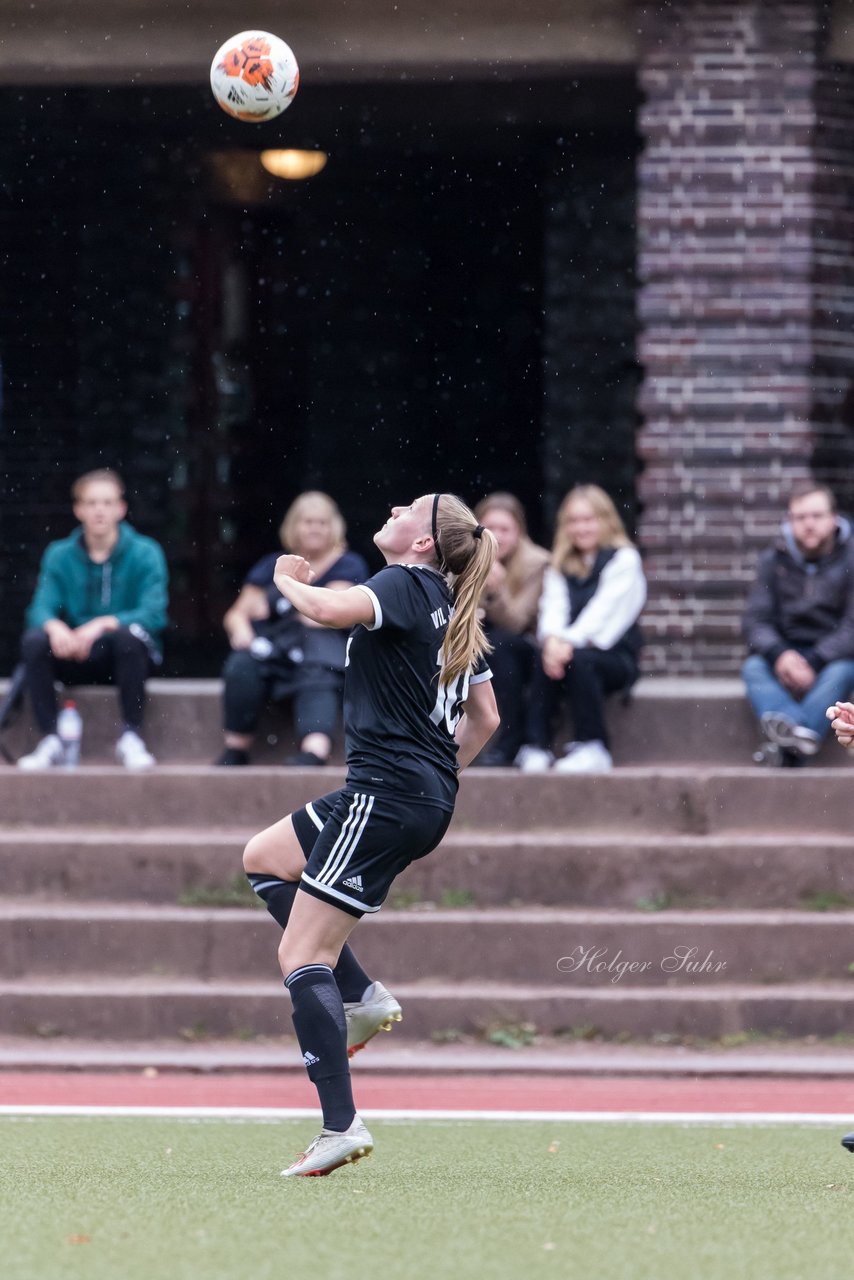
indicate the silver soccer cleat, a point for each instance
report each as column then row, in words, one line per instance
column 330, row 1151
column 376, row 1011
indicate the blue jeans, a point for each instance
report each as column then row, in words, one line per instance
column 832, row 683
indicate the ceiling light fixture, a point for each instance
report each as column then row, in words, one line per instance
column 292, row 164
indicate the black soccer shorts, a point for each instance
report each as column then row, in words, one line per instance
column 356, row 844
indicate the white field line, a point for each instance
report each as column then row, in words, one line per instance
column 728, row 1118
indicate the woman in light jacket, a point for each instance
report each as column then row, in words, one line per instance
column 593, row 593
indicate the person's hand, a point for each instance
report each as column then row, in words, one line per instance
column 62, row 641
column 293, row 567
column 841, row 717
column 241, row 634
column 556, row 657
column 794, row 672
column 86, row 635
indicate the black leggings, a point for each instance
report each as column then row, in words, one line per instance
column 117, row 657
column 250, row 684
column 512, row 664
column 590, row 677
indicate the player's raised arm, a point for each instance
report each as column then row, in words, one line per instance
column 344, row 609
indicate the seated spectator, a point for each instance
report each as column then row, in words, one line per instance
column 593, row 593
column 510, row 603
column 278, row 655
column 799, row 628
column 96, row 618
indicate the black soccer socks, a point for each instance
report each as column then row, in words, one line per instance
column 322, row 1034
column 278, row 897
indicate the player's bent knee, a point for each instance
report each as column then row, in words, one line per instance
column 254, row 854
column 289, row 957
column 284, row 957
column 293, row 955
column 275, row 850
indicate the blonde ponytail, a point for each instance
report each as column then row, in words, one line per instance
column 466, row 551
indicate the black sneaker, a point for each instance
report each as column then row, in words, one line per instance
column 232, row 758
column 848, row 1142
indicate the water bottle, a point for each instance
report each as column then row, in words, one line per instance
column 69, row 727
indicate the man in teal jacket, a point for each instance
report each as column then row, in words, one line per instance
column 97, row 616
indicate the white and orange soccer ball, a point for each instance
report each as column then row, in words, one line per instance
column 254, row 76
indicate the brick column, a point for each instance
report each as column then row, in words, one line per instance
column 746, row 301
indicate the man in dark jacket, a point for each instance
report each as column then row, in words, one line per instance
column 799, row 627
column 96, row 617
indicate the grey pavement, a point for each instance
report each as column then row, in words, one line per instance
column 799, row 1058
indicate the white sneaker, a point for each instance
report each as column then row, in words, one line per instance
column 586, row 757
column 49, row 754
column 376, row 1011
column 330, row 1150
column 132, row 752
column 533, row 760
column 784, row 733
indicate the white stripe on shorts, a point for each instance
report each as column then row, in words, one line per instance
column 348, row 837
column 312, row 813
column 334, row 893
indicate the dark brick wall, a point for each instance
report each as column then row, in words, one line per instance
column 747, row 289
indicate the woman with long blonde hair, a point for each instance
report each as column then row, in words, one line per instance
column 418, row 707
column 593, row 593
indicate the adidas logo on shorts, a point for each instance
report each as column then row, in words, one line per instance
column 354, row 882
column 309, row 1058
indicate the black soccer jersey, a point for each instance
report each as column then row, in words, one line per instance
column 399, row 719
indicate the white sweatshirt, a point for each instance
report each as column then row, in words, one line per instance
column 614, row 606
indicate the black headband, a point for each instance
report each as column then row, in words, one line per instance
column 435, row 529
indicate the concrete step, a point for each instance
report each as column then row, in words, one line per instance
column 477, row 868
column 183, row 723
column 705, row 721
column 397, row 1055
column 133, row 1009
column 536, row 945
column 680, row 800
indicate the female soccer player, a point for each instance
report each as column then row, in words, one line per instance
column 841, row 717
column 418, row 706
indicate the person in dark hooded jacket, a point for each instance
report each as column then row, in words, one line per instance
column 799, row 627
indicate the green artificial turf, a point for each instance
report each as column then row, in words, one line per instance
column 121, row 1199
